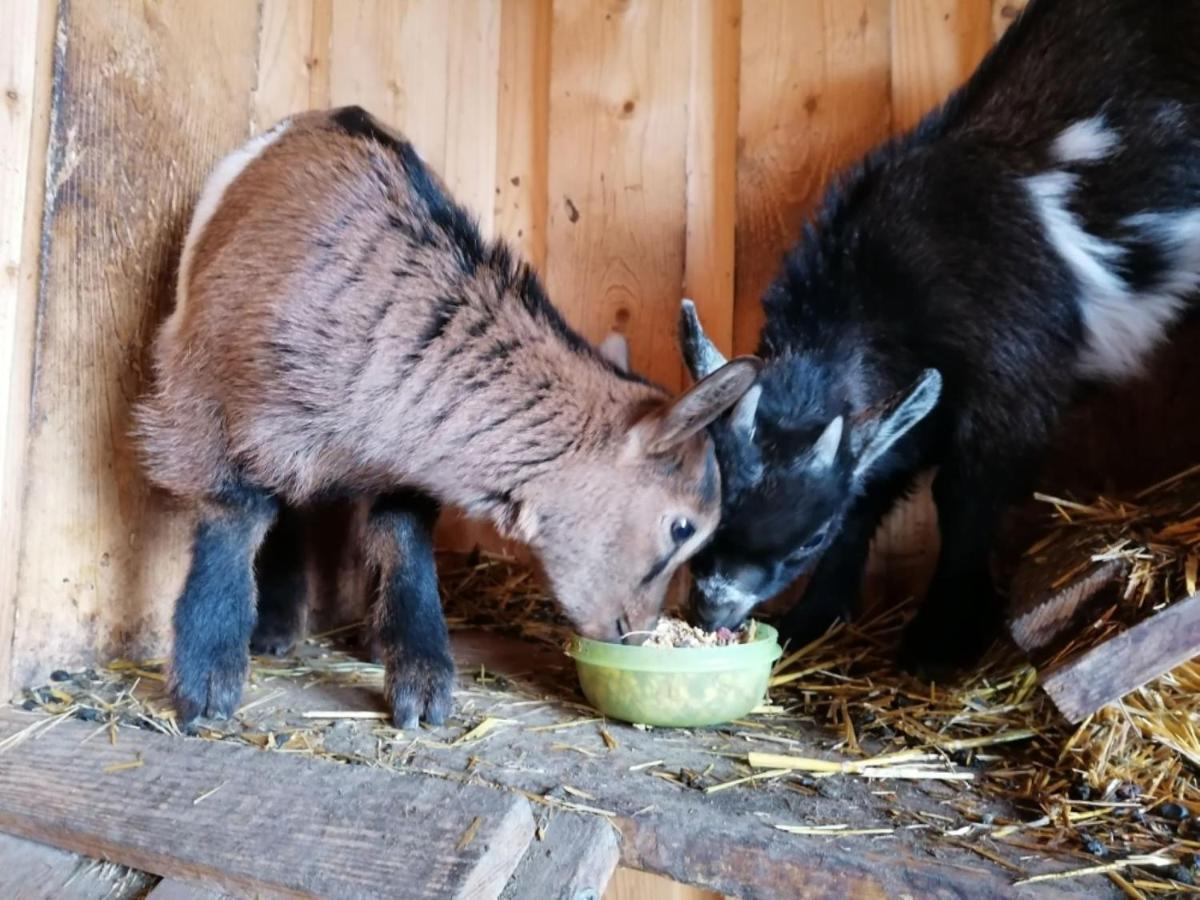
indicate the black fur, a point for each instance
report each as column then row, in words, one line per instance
column 215, row 613
column 931, row 255
column 409, row 622
column 282, row 585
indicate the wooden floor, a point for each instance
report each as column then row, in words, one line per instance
column 291, row 797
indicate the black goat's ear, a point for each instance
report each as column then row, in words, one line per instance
column 701, row 355
column 876, row 435
column 699, row 406
column 744, row 416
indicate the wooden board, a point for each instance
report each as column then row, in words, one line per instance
column 936, row 45
column 1106, row 673
column 813, row 98
column 26, row 54
column 32, row 871
column 429, row 68
column 617, row 208
column 147, row 97
column 712, row 167
column 277, row 824
column 1057, row 594
column 290, row 59
column 574, row 860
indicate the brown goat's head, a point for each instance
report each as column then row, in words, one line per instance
column 611, row 526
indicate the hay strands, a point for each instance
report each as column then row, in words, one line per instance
column 833, row 830
column 1139, row 861
column 909, row 764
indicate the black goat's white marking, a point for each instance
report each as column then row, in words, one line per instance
column 1122, row 327
column 1088, row 140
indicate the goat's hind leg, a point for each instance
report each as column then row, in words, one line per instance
column 409, row 623
column 215, row 613
column 281, row 575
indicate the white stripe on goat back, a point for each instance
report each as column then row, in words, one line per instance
column 1122, row 326
column 1088, row 140
column 219, row 180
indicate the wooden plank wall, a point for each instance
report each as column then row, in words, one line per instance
column 635, row 150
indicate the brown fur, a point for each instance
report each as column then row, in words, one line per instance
column 333, row 341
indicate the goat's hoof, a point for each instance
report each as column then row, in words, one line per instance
column 419, row 687
column 213, row 690
column 273, row 637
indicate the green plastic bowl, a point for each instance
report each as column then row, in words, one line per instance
column 679, row 687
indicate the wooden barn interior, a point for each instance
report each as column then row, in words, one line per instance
column 638, row 152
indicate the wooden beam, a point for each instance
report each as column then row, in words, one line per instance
column 32, row 871
column 1124, row 663
column 575, row 859
column 26, row 67
column 275, row 824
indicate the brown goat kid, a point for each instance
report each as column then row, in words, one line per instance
column 342, row 330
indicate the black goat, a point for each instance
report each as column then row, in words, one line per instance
column 1039, row 231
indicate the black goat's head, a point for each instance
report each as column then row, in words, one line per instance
column 791, row 465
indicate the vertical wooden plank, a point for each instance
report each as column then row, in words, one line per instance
column 523, row 117
column 814, row 97
column 285, row 60
column 618, row 133
column 429, row 68
column 392, row 59
column 936, row 44
column 320, row 51
column 712, row 166
column 149, row 96
column 472, row 99
column 26, row 65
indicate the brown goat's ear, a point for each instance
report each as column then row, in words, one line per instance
column 697, row 407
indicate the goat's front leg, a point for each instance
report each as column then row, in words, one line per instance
column 962, row 611
column 215, row 613
column 408, row 611
column 832, row 591
column 281, row 574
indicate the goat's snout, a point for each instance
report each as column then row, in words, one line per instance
column 718, row 602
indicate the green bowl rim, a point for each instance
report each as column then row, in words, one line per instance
column 683, row 660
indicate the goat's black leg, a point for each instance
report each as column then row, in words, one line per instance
column 215, row 612
column 832, row 591
column 962, row 611
column 408, row 611
column 281, row 573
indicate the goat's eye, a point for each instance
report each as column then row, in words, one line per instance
column 681, row 530
column 813, row 542
column 807, row 547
